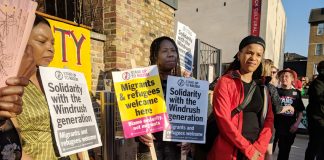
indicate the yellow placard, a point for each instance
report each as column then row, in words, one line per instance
column 72, row 48
column 138, row 98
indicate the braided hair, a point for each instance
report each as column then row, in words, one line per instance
column 154, row 51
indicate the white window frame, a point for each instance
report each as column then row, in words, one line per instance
column 316, row 50
column 320, row 29
column 315, row 69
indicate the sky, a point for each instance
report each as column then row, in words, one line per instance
column 297, row 31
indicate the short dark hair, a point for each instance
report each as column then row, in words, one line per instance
column 39, row 19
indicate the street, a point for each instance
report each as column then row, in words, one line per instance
column 298, row 148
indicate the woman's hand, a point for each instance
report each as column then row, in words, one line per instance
column 147, row 139
column 289, row 109
column 11, row 97
column 28, row 65
column 185, row 147
column 294, row 127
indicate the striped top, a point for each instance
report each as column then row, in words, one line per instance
column 34, row 123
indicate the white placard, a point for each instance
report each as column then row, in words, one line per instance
column 74, row 123
column 187, row 105
column 185, row 40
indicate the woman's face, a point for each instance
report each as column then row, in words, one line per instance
column 41, row 40
column 167, row 56
column 274, row 72
column 250, row 57
column 286, row 79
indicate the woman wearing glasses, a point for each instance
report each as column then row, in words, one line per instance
column 269, row 73
column 274, row 70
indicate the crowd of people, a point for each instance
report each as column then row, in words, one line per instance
column 270, row 117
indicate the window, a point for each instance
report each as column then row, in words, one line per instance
column 320, row 29
column 66, row 9
column 319, row 49
column 315, row 69
column 79, row 11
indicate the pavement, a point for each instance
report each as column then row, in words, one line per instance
column 298, row 148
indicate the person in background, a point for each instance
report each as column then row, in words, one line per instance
column 305, row 84
column 297, row 83
column 274, row 81
column 315, row 117
column 267, row 75
column 34, row 122
column 307, row 81
column 286, row 124
column 163, row 53
column 246, row 135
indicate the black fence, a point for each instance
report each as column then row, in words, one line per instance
column 207, row 61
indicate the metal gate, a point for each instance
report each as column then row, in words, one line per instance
column 207, row 61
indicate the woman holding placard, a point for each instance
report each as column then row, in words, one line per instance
column 244, row 133
column 34, row 122
column 163, row 53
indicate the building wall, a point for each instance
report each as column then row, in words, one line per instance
column 218, row 24
column 274, row 34
column 127, row 29
column 97, row 59
column 224, row 26
column 313, row 40
column 93, row 15
column 131, row 26
column 96, row 45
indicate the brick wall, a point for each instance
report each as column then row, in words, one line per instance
column 131, row 26
column 92, row 14
column 312, row 59
column 97, row 60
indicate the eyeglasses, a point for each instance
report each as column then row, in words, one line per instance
column 303, row 80
column 273, row 72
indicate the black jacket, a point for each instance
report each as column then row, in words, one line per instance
column 315, row 108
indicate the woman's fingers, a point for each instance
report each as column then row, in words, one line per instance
column 12, row 108
column 17, row 81
column 11, row 97
column 11, row 90
column 16, row 99
column 147, row 139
